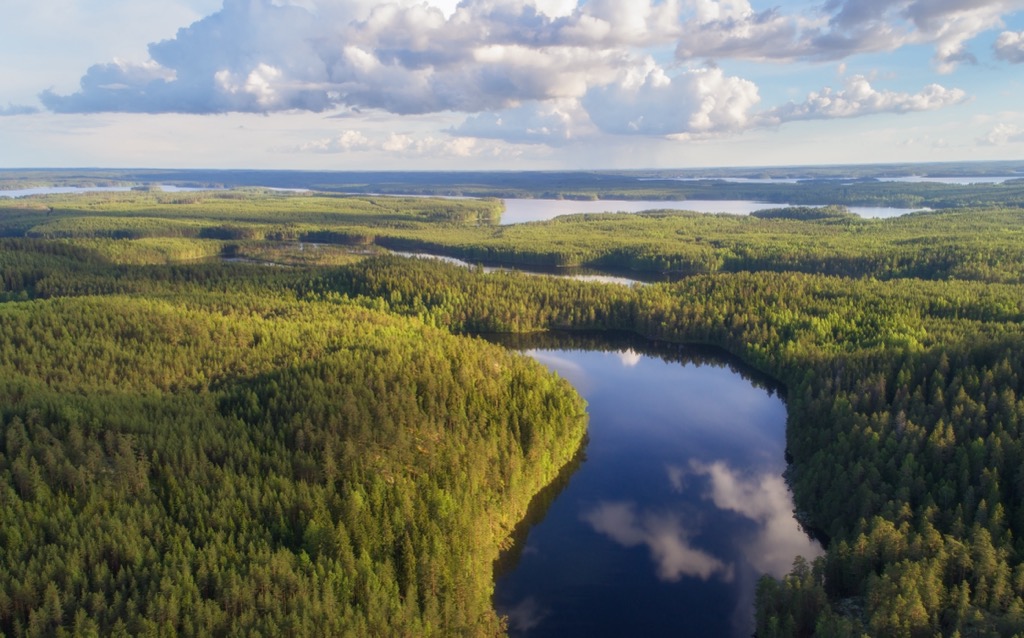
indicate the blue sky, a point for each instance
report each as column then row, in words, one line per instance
column 495, row 84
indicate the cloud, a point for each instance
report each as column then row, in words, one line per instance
column 635, row 23
column 346, row 142
column 732, row 29
column 555, row 122
column 642, row 100
column 409, row 58
column 663, row 535
column 859, row 98
column 950, row 24
column 647, row 101
column 251, row 56
column 429, row 146
column 1003, row 134
column 839, row 29
column 406, row 145
column 545, row 72
column 1009, row 46
column 17, row 109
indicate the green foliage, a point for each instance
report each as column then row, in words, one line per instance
column 255, row 464
column 229, row 448
column 905, row 420
column 975, row 244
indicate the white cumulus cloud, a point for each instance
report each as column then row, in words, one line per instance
column 251, row 56
column 529, row 72
column 553, row 122
column 648, row 101
column 407, row 145
column 858, row 98
column 1009, row 46
column 346, row 142
column 1002, row 134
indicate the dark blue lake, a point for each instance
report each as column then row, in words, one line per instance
column 675, row 508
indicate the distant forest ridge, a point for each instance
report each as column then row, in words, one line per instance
column 862, row 185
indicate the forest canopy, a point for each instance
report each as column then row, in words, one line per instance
column 194, row 442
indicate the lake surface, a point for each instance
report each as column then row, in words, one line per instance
column 71, row 190
column 962, row 181
column 731, row 180
column 676, row 508
column 579, row 274
column 882, row 212
column 520, row 211
column 61, row 190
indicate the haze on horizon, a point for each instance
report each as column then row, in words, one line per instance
column 496, row 84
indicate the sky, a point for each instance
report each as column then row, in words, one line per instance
column 502, row 85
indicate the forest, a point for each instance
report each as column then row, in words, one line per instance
column 234, row 413
column 865, row 185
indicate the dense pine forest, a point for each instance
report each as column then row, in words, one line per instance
column 234, row 413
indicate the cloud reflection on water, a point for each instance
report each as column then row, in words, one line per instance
column 664, row 536
column 569, row 369
column 630, row 358
column 677, row 477
column 526, row 615
column 764, row 499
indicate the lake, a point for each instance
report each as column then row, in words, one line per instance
column 579, row 274
column 61, row 190
column 674, row 509
column 519, row 211
column 962, row 181
column 71, row 190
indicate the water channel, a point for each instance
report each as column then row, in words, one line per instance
column 674, row 509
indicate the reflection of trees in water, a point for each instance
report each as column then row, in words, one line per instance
column 508, row 560
column 618, row 341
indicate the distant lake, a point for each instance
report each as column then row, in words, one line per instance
column 912, row 179
column 731, row 180
column 519, row 211
column 580, row 274
column 676, row 508
column 71, row 190
column 62, row 190
column 882, row 212
column 916, row 179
